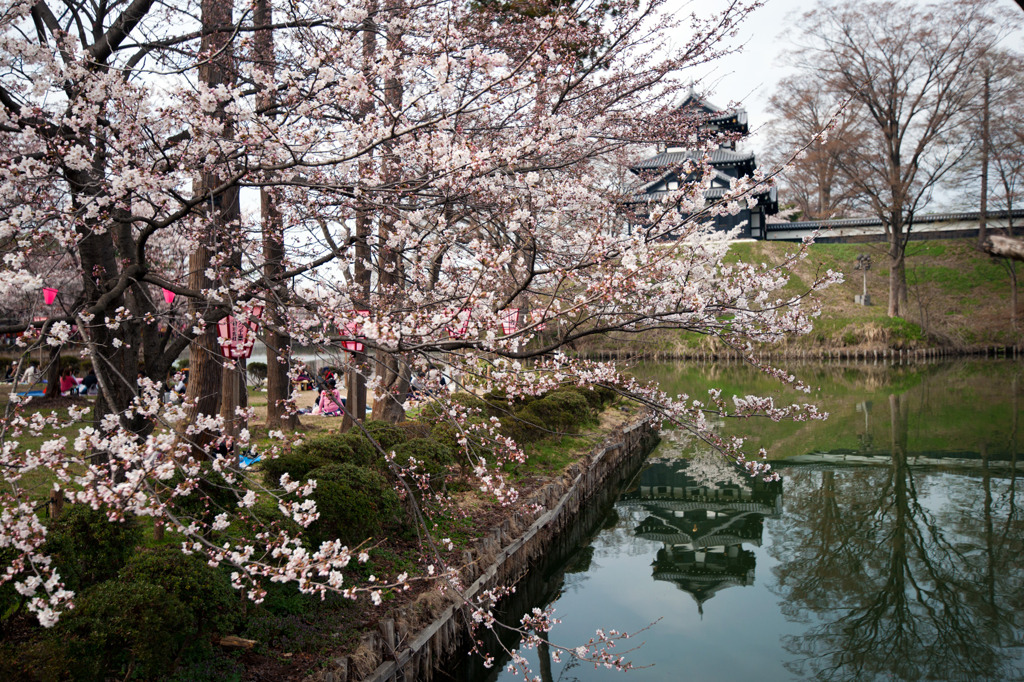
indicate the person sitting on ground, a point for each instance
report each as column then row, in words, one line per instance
column 331, row 402
column 9, row 376
column 418, row 385
column 88, row 382
column 28, row 377
column 67, row 381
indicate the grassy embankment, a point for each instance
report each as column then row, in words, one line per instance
column 959, row 298
column 292, row 632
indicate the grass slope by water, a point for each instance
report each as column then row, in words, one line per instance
column 958, row 297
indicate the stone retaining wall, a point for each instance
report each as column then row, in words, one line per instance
column 399, row 651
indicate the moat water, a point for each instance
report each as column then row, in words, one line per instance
column 892, row 547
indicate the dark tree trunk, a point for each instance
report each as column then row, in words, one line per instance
column 53, row 373
column 356, row 376
column 388, row 404
column 985, row 143
column 205, row 376
column 278, row 342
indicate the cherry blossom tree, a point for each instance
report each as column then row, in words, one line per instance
column 435, row 164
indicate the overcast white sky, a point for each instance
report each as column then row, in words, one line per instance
column 750, row 76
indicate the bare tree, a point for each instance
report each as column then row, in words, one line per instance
column 912, row 70
column 801, row 110
column 998, row 166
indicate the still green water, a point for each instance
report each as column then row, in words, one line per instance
column 892, row 548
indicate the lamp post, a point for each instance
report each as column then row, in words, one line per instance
column 863, row 264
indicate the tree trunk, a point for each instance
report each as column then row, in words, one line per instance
column 205, row 375
column 278, row 342
column 53, row 373
column 394, row 375
column 388, row 404
column 355, row 385
column 985, row 142
column 897, row 281
column 1012, row 266
column 356, row 380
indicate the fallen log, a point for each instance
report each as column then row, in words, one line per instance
column 1007, row 247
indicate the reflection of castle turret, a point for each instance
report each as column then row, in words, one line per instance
column 704, row 511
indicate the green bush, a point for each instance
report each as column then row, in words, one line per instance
column 596, row 396
column 447, row 434
column 297, row 464
column 319, row 451
column 360, row 450
column 345, row 448
column 434, row 457
column 471, row 401
column 902, row 332
column 87, row 548
column 161, row 609
column 556, row 412
column 72, row 363
column 211, row 497
column 415, row 429
column 385, row 433
column 354, row 503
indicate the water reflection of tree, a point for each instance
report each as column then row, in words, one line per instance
column 895, row 592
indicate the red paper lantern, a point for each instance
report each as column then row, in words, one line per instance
column 234, row 334
column 49, row 295
column 354, row 328
column 169, row 296
column 460, row 331
column 510, row 321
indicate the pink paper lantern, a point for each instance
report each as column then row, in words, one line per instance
column 462, row 318
column 236, row 336
column 169, row 296
column 510, row 321
column 354, row 328
column 49, row 295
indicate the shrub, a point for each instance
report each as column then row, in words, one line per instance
column 211, row 497
column 387, row 434
column 161, row 608
column 415, row 429
column 345, row 448
column 471, row 401
column 319, row 451
column 10, row 600
column 596, row 396
column 72, row 363
column 558, row 412
column 297, row 464
column 902, row 332
column 359, row 450
column 354, row 503
column 434, row 457
column 87, row 548
column 447, row 434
